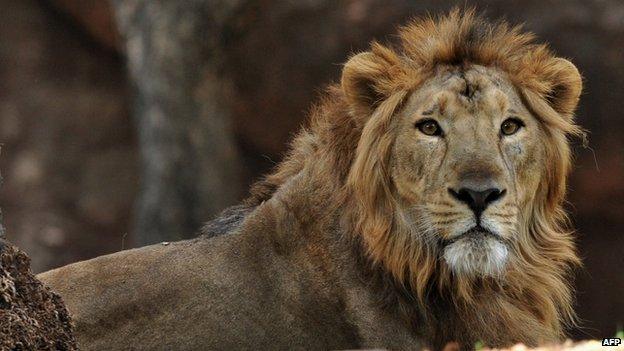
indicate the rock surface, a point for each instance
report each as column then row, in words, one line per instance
column 31, row 316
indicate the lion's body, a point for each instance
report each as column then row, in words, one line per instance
column 364, row 236
column 236, row 291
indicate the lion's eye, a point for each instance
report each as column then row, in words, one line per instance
column 429, row 127
column 511, row 126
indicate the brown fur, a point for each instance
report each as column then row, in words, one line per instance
column 330, row 208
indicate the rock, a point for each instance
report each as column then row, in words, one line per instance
column 32, row 317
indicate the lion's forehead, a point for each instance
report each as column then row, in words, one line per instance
column 472, row 91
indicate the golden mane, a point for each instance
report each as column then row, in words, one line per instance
column 348, row 136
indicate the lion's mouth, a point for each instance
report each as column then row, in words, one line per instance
column 476, row 233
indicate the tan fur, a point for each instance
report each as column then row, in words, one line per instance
column 337, row 225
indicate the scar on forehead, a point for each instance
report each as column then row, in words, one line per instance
column 442, row 101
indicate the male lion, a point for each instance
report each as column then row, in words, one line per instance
column 423, row 205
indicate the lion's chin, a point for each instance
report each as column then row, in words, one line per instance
column 476, row 254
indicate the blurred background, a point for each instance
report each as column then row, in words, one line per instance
column 130, row 122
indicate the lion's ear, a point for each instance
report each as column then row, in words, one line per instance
column 567, row 85
column 366, row 78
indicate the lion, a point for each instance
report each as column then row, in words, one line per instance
column 421, row 205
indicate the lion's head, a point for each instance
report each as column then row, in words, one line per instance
column 460, row 171
column 451, row 154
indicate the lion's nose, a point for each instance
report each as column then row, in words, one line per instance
column 477, row 200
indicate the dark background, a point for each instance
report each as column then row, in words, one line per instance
column 87, row 87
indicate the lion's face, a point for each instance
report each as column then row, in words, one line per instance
column 465, row 162
column 462, row 157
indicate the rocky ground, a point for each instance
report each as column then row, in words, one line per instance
column 568, row 345
column 588, row 345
